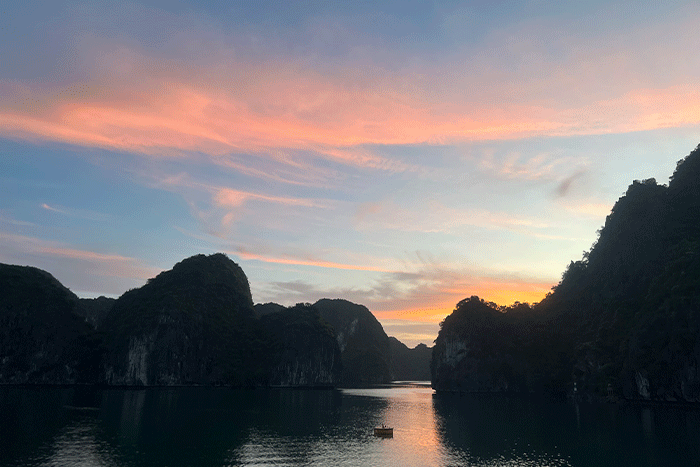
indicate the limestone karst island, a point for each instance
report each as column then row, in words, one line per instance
column 623, row 324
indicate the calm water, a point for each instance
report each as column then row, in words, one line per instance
column 223, row 427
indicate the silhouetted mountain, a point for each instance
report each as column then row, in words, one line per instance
column 262, row 309
column 363, row 343
column 94, row 310
column 410, row 364
column 304, row 351
column 623, row 321
column 42, row 338
column 193, row 324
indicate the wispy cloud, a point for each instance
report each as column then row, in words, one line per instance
column 219, row 208
column 80, row 263
column 49, row 208
column 332, row 148
column 9, row 220
column 436, row 217
column 227, row 197
column 250, row 256
column 197, row 120
column 78, row 213
column 282, row 170
column 133, row 99
column 564, row 186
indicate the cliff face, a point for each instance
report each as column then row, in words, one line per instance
column 475, row 350
column 410, row 364
column 94, row 310
column 305, row 351
column 623, row 322
column 42, row 338
column 193, row 324
column 363, row 343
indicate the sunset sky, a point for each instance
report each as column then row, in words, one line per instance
column 402, row 155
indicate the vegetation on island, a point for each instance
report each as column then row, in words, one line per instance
column 409, row 364
column 363, row 343
column 623, row 322
column 42, row 338
column 192, row 325
column 303, row 350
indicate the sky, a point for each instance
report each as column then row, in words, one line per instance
column 402, row 155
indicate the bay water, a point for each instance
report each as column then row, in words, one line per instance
column 176, row 427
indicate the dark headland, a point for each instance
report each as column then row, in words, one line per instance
column 623, row 323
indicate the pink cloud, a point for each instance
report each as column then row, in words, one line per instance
column 206, row 96
column 229, row 198
column 37, row 251
column 250, row 256
column 283, row 105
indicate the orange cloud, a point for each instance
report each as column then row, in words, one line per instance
column 258, row 107
column 206, row 96
column 245, row 255
column 227, row 197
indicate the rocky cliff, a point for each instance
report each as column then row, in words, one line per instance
column 305, row 351
column 193, row 324
column 475, row 350
column 363, row 343
column 94, row 310
column 410, row 364
column 42, row 338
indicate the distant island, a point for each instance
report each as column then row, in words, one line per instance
column 623, row 324
column 193, row 325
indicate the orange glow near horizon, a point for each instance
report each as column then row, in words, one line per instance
column 501, row 294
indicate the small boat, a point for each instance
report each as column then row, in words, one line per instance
column 384, row 431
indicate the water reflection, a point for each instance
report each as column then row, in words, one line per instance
column 647, row 423
column 489, row 430
column 77, row 444
column 221, row 427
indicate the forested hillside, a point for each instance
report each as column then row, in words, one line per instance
column 623, row 322
column 43, row 340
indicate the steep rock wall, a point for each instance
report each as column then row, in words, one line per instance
column 306, row 350
column 365, row 348
column 192, row 325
